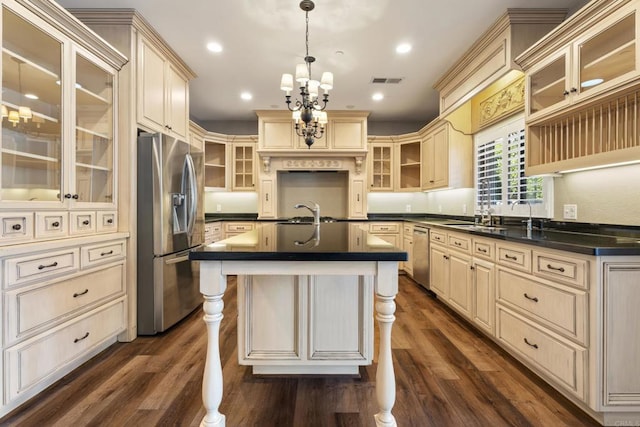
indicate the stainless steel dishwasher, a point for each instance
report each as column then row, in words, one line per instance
column 421, row 255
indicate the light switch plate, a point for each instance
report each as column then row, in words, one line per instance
column 570, row 212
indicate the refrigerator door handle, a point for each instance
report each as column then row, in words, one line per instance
column 189, row 174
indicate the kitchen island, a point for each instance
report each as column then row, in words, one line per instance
column 319, row 337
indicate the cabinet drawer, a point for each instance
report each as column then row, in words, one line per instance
column 106, row 221
column 25, row 364
column 514, row 256
column 556, row 358
column 99, row 254
column 41, row 266
column 16, row 226
column 82, row 223
column 407, row 229
column 31, row 308
column 438, row 236
column 560, row 268
column 459, row 242
column 51, row 224
column 235, row 227
column 483, row 249
column 384, row 227
column 560, row 308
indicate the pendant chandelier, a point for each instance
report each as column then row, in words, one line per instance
column 309, row 116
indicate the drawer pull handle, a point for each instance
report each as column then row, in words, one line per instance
column 534, row 299
column 457, row 243
column 55, row 224
column 81, row 338
column 106, row 253
column 16, row 227
column 79, row 294
column 445, row 257
column 85, row 222
column 484, row 251
column 53, row 264
column 513, row 258
column 551, row 267
column 529, row 344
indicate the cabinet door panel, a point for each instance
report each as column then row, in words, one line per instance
column 178, row 88
column 483, row 294
column 460, row 282
column 439, row 272
column 151, row 96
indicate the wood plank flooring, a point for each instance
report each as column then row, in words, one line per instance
column 447, row 375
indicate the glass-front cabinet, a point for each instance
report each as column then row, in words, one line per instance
column 381, row 167
column 32, row 130
column 603, row 57
column 54, row 151
column 94, row 133
column 243, row 167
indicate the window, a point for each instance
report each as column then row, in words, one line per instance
column 500, row 176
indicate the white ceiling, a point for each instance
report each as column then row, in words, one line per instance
column 264, row 38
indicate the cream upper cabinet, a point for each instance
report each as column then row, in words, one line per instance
column 409, row 166
column 244, row 166
column 346, row 131
column 604, row 56
column 447, row 160
column 380, row 165
column 58, row 126
column 215, row 164
column 582, row 90
column 163, row 91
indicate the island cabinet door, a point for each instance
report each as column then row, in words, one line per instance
column 340, row 318
column 269, row 319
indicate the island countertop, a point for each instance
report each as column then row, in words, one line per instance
column 271, row 241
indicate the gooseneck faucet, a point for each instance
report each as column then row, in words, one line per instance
column 530, row 220
column 315, row 210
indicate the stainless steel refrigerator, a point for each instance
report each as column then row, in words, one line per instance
column 170, row 224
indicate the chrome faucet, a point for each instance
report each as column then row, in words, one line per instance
column 530, row 220
column 315, row 210
column 485, row 214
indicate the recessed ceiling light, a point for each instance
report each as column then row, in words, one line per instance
column 31, row 96
column 377, row 96
column 214, row 47
column 403, row 48
column 592, row 82
column 246, row 96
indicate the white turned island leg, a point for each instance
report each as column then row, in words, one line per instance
column 385, row 376
column 212, row 379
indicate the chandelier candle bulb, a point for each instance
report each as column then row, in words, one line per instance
column 286, row 84
column 302, row 74
column 326, row 82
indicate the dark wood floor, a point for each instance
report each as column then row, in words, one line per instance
column 447, row 375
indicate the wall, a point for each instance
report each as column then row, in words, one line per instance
column 448, row 202
column 230, row 202
column 603, row 196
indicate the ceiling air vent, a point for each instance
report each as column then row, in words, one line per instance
column 386, row 80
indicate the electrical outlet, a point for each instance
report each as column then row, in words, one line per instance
column 407, row 208
column 218, row 207
column 570, row 212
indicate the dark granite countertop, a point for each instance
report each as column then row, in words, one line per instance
column 571, row 241
column 272, row 241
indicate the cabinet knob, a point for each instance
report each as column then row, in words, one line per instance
column 67, row 196
column 16, row 227
column 574, row 90
column 75, row 197
column 565, row 93
column 110, row 221
column 85, row 222
column 55, row 224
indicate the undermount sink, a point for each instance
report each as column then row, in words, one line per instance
column 478, row 227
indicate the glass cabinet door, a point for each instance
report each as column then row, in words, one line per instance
column 547, row 85
column 608, row 55
column 243, row 167
column 31, row 112
column 94, row 133
column 381, row 167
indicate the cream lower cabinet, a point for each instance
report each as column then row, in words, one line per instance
column 388, row 231
column 62, row 304
column 407, row 246
column 305, row 324
column 570, row 318
column 233, row 228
